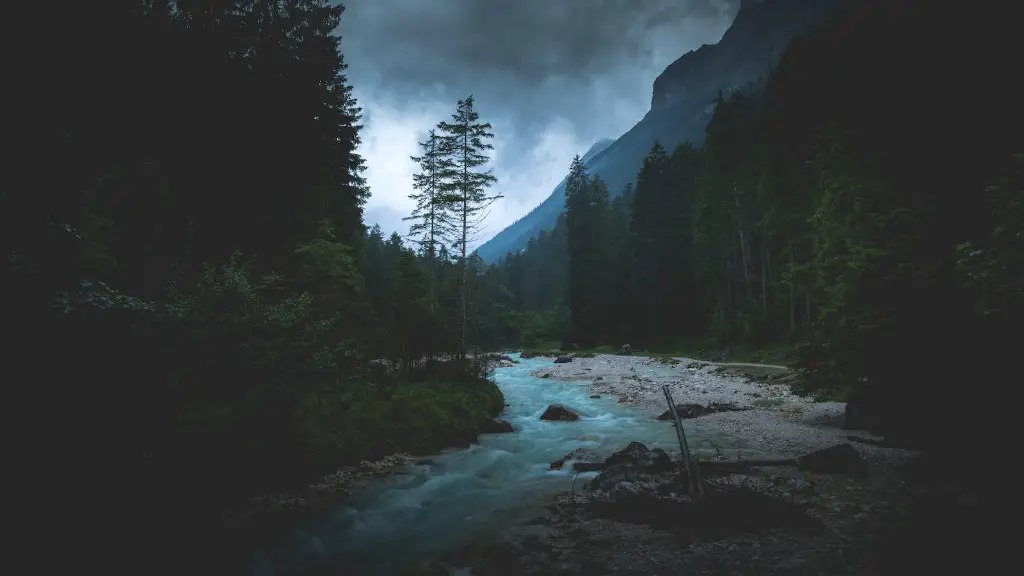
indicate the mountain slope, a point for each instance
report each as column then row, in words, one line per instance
column 682, row 103
column 597, row 148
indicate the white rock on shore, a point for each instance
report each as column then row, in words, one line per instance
column 778, row 421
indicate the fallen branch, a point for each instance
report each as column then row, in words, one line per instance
column 689, row 461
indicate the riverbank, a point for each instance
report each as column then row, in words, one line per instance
column 771, row 418
column 850, row 512
column 379, row 431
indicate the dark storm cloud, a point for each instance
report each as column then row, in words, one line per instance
column 552, row 76
column 419, row 41
column 446, row 48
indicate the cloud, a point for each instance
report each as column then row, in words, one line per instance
column 552, row 76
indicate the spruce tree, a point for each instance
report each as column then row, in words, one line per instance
column 589, row 246
column 464, row 183
column 433, row 224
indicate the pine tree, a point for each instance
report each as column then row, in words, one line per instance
column 643, row 250
column 433, row 224
column 463, row 183
column 589, row 230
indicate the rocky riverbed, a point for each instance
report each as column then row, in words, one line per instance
column 774, row 419
column 777, row 519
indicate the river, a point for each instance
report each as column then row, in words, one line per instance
column 462, row 495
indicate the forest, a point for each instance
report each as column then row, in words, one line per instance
column 855, row 212
column 197, row 313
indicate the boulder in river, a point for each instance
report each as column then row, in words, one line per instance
column 577, row 455
column 634, row 463
column 688, row 410
column 561, row 413
column 563, row 359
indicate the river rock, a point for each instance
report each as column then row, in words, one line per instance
column 635, row 453
column 690, row 410
column 577, row 455
column 563, row 359
column 634, row 463
column 560, row 413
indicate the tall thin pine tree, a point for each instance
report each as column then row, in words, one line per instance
column 464, row 183
column 432, row 218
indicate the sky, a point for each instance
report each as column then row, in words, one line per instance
column 552, row 77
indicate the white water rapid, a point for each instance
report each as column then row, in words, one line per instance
column 461, row 495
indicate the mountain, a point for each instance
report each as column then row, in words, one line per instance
column 597, row 148
column 682, row 103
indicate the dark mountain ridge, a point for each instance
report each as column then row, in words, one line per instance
column 682, row 102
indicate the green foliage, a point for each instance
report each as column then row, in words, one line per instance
column 878, row 236
column 213, row 319
column 442, row 405
column 831, row 207
column 590, row 250
column 462, row 188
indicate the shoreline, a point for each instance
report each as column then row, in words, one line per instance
column 567, row 535
column 330, row 489
column 575, row 537
column 773, row 419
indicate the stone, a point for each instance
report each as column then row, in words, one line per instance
column 559, row 413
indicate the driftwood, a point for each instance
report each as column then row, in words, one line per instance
column 712, row 466
column 689, row 462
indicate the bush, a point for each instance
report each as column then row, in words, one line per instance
column 444, row 404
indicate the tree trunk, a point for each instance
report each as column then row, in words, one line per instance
column 432, row 243
column 807, row 308
column 792, row 295
column 465, row 236
column 743, row 241
column 766, row 268
column 792, row 308
column 190, row 230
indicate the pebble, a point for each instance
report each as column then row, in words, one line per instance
column 792, row 425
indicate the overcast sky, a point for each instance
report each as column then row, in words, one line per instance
column 552, row 76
